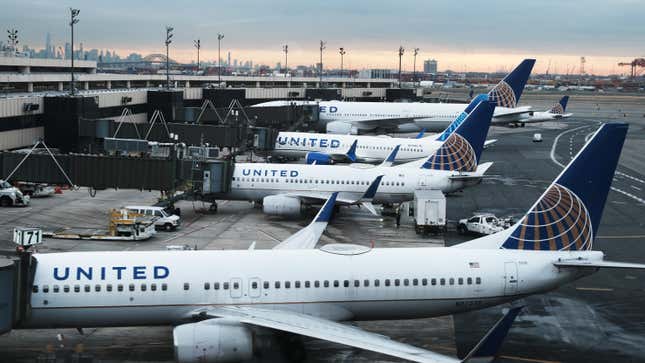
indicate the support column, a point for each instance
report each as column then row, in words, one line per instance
column 187, row 84
column 257, row 84
column 25, row 70
column 108, row 84
column 61, row 86
column 30, row 87
column 128, row 84
column 86, row 85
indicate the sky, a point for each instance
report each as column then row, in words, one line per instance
column 492, row 35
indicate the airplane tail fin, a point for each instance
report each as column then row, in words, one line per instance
column 461, row 151
column 560, row 107
column 390, row 158
column 462, row 116
column 508, row 91
column 567, row 215
column 421, row 133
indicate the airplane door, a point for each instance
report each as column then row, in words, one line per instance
column 255, row 288
column 510, row 278
column 236, row 288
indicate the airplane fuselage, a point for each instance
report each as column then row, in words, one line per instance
column 254, row 181
column 92, row 289
column 368, row 148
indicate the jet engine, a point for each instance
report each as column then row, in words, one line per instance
column 318, row 158
column 213, row 341
column 340, row 127
column 281, row 206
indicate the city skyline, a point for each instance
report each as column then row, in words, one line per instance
column 460, row 40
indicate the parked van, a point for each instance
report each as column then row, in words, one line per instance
column 163, row 219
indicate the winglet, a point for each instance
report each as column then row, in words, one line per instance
column 488, row 348
column 309, row 236
column 324, row 215
column 371, row 190
column 351, row 153
column 390, row 158
column 421, row 133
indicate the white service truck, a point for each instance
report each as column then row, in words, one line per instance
column 429, row 211
column 12, row 196
column 483, row 224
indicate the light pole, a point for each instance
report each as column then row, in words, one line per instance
column 220, row 36
column 322, row 47
column 169, row 34
column 401, row 51
column 414, row 66
column 73, row 20
column 342, row 52
column 13, row 40
column 285, row 49
column 198, row 45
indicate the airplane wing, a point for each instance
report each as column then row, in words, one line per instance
column 309, row 236
column 510, row 115
column 383, row 122
column 479, row 174
column 319, row 328
column 342, row 198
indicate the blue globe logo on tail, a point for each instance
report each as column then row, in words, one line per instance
column 557, row 109
column 559, row 221
column 456, row 153
column 503, row 95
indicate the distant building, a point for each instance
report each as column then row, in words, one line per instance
column 430, row 66
column 375, row 73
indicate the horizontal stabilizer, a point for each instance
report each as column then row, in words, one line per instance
column 598, row 264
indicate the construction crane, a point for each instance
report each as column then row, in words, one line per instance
column 638, row 62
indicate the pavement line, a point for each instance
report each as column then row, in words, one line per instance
column 528, row 359
column 627, row 194
column 630, row 177
column 635, row 187
column 638, row 236
column 594, row 289
column 555, row 143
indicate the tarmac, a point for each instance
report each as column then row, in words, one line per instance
column 597, row 319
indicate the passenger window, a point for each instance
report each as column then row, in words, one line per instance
column 366, row 283
column 451, row 281
column 87, row 288
column 397, row 282
column 207, row 286
column 56, row 288
column 144, row 287
column 225, row 286
column 415, row 282
column 45, row 289
column 377, row 283
column 34, row 289
column 153, row 287
column 336, row 283
column 460, row 281
column 287, row 284
column 478, row 280
column 186, row 286
column 66, row 288
column 443, row 282
column 387, row 282
column 254, row 285
column 108, row 288
column 346, row 283
column 236, row 285
column 119, row 287
column 357, row 283
column 424, row 282
column 307, row 285
column 215, row 285
column 326, row 284
column 164, row 287
column 97, row 288
column 469, row 281
column 433, row 282
column 406, row 282
column 131, row 287
column 77, row 288
column 277, row 284
column 265, row 285
column 297, row 283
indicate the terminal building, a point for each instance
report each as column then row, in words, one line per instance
column 33, row 92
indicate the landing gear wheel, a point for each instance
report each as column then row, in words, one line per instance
column 522, row 124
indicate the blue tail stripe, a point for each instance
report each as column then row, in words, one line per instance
column 351, row 153
column 519, row 76
column 461, row 117
column 563, row 102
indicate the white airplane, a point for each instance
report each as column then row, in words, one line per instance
column 339, row 117
column 558, row 111
column 284, row 189
column 324, row 149
column 219, row 301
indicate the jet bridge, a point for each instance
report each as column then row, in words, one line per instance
column 16, row 277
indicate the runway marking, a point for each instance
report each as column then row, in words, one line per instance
column 603, row 289
column 555, row 160
column 638, row 236
column 630, row 177
column 635, row 187
column 528, row 359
